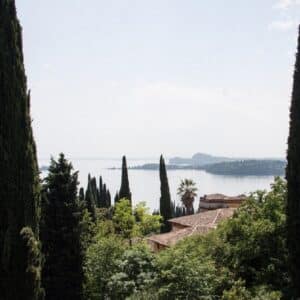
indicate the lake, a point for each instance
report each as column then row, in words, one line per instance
column 145, row 184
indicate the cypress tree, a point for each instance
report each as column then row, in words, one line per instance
column 60, row 233
column 104, row 197
column 165, row 198
column 94, row 190
column 81, row 194
column 125, row 190
column 116, row 199
column 90, row 200
column 19, row 181
column 100, row 192
column 293, row 181
column 108, row 199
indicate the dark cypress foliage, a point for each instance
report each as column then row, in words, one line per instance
column 90, row 200
column 81, row 194
column 94, row 190
column 101, row 200
column 104, row 192
column 116, row 199
column 125, row 190
column 165, row 198
column 108, row 199
column 60, row 233
column 19, row 182
column 293, row 181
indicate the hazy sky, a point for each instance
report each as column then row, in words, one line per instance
column 144, row 77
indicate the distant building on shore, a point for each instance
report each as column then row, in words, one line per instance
column 215, row 201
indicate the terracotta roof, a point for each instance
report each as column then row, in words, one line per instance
column 212, row 197
column 204, row 218
column 200, row 223
column 215, row 196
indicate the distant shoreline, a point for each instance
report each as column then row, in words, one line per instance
column 229, row 168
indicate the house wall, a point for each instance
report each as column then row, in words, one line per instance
column 205, row 205
column 176, row 226
column 155, row 246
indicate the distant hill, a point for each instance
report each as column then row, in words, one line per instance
column 199, row 159
column 248, row 168
column 259, row 167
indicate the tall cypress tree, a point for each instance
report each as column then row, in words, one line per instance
column 165, row 198
column 19, row 181
column 116, row 198
column 60, row 233
column 90, row 200
column 293, row 180
column 108, row 199
column 125, row 190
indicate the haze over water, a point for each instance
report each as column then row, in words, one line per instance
column 145, row 184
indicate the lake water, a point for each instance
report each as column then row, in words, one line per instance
column 145, row 185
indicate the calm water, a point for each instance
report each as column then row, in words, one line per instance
column 145, row 185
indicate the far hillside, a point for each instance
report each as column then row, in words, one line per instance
column 248, row 167
column 199, row 159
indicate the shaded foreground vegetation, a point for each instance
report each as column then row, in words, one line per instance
column 245, row 258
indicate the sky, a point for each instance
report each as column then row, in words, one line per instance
column 141, row 78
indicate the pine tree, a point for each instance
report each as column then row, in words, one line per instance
column 19, row 181
column 125, row 190
column 60, row 233
column 293, row 181
column 165, row 198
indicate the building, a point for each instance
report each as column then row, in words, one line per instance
column 183, row 227
column 215, row 201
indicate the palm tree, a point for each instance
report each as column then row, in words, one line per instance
column 187, row 191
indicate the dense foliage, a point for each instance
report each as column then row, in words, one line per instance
column 19, row 181
column 165, row 205
column 244, row 258
column 293, row 179
column 116, row 265
column 60, row 233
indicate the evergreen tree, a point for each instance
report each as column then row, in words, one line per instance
column 108, row 199
column 94, row 190
column 100, row 204
column 125, row 190
column 81, row 194
column 104, row 192
column 90, row 200
column 60, row 233
column 165, row 198
column 19, row 181
column 293, row 181
column 117, row 198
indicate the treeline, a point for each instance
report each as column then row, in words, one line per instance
column 261, row 167
column 248, row 168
